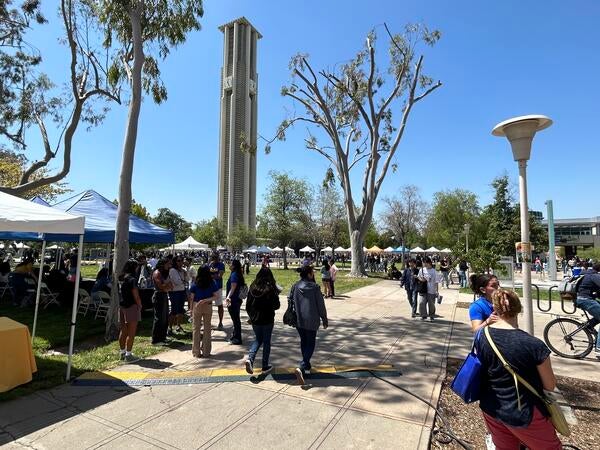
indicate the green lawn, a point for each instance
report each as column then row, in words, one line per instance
column 93, row 353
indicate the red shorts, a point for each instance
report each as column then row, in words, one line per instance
column 539, row 434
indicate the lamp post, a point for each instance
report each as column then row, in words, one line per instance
column 520, row 132
column 467, row 227
column 551, row 244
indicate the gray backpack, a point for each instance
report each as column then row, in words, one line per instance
column 569, row 286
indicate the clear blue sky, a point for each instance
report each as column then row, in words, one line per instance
column 496, row 60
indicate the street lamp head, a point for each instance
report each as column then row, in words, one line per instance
column 520, row 131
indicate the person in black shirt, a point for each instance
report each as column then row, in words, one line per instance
column 512, row 413
column 130, row 309
column 588, row 294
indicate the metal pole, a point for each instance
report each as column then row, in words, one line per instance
column 75, row 305
column 527, row 303
column 551, row 248
column 38, row 291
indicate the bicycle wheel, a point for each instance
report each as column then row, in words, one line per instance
column 568, row 338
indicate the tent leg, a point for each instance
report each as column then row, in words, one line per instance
column 39, row 290
column 74, row 312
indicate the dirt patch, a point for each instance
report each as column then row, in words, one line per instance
column 464, row 305
column 466, row 421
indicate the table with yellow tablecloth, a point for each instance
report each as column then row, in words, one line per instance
column 17, row 362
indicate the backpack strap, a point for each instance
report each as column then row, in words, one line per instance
column 508, row 367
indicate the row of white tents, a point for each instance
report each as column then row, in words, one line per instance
column 341, row 250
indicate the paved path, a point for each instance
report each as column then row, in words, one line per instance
column 370, row 326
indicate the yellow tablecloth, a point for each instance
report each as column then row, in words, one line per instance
column 17, row 362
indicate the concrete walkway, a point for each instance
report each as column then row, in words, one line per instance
column 368, row 327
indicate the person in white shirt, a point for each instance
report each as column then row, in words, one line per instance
column 177, row 294
column 427, row 300
column 191, row 276
column 333, row 272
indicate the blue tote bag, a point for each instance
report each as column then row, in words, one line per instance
column 467, row 380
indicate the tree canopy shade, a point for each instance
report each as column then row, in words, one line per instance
column 354, row 114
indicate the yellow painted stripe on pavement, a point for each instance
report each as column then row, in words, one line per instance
column 175, row 374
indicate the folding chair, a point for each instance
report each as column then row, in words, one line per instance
column 48, row 297
column 85, row 302
column 3, row 289
column 102, row 300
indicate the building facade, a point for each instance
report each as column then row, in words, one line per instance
column 236, row 204
column 576, row 234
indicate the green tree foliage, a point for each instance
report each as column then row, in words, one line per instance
column 354, row 121
column 284, row 212
column 450, row 211
column 12, row 166
column 137, row 209
column 211, row 232
column 29, row 98
column 172, row 221
column 240, row 237
column 143, row 32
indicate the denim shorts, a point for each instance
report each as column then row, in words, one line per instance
column 177, row 302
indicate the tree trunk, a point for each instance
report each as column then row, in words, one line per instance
column 123, row 211
column 357, row 266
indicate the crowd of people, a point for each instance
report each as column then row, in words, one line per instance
column 175, row 282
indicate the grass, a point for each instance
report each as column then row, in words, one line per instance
column 50, row 345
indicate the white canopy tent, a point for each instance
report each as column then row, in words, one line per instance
column 432, row 250
column 306, row 249
column 263, row 249
column 22, row 216
column 190, row 244
column 277, row 249
column 417, row 250
column 20, row 245
column 340, row 250
column 388, row 249
column 327, row 249
column 446, row 250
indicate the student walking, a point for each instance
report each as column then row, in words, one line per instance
column 262, row 302
column 427, row 300
column 326, row 278
column 233, row 301
column 333, row 273
column 203, row 292
column 310, row 312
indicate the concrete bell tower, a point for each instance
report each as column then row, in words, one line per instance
column 239, row 98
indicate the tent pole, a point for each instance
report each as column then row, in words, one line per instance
column 39, row 290
column 74, row 312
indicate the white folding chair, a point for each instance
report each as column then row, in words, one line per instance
column 102, row 300
column 48, row 297
column 85, row 302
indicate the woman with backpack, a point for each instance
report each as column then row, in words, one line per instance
column 481, row 311
column 513, row 413
column 262, row 302
column 233, row 300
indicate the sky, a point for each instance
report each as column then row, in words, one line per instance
column 496, row 60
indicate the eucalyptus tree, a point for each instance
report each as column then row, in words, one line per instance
column 145, row 32
column 360, row 122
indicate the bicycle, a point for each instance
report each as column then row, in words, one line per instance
column 571, row 338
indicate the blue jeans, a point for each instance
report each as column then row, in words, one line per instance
column 412, row 299
column 446, row 279
column 262, row 335
column 308, row 342
column 462, row 277
column 592, row 307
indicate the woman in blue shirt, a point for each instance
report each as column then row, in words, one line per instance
column 481, row 311
column 233, row 301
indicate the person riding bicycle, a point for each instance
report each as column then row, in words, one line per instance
column 588, row 295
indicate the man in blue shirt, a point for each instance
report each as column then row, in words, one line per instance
column 217, row 269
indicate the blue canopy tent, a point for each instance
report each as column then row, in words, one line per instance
column 101, row 218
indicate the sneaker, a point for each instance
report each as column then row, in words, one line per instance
column 423, row 318
column 249, row 367
column 597, row 352
column 431, row 319
column 413, row 315
column 220, row 327
column 169, row 332
column 122, row 356
column 299, row 376
column 267, row 370
column 132, row 358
